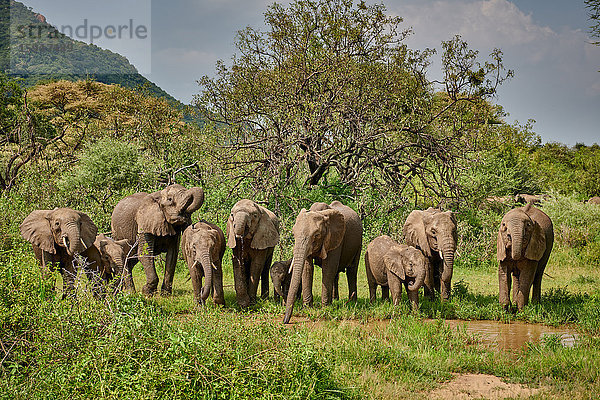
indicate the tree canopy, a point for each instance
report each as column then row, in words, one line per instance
column 330, row 88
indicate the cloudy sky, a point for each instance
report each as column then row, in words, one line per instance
column 545, row 42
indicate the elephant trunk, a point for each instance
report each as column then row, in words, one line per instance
column 240, row 224
column 419, row 280
column 193, row 200
column 72, row 239
column 300, row 254
column 516, row 243
column 208, row 274
column 278, row 288
column 448, row 249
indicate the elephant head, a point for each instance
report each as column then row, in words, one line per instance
column 433, row 232
column 407, row 263
column 280, row 271
column 520, row 236
column 202, row 244
column 249, row 220
column 64, row 227
column 316, row 233
column 113, row 254
column 166, row 209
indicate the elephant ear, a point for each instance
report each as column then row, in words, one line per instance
column 229, row 233
column 336, row 228
column 267, row 232
column 414, row 232
column 537, row 244
column 36, row 229
column 151, row 219
column 88, row 231
column 500, row 248
column 393, row 262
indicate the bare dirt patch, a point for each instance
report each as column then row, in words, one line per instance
column 479, row 386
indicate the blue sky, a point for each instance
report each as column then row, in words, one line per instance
column 545, row 42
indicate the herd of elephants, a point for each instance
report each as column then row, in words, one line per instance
column 145, row 225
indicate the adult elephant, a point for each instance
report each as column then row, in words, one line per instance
column 252, row 234
column 152, row 223
column 331, row 236
column 58, row 237
column 434, row 233
column 524, row 243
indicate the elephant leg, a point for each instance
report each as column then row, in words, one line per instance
column 146, row 256
column 395, row 288
column 330, row 269
column 413, row 297
column 429, row 290
column 536, row 294
column 170, row 264
column 336, row 292
column 239, row 278
column 126, row 279
column 264, row 276
column 437, row 273
column 371, row 282
column 257, row 265
column 526, row 275
column 445, row 289
column 196, row 277
column 385, row 293
column 307, row 283
column 352, row 277
column 504, row 279
column 218, row 295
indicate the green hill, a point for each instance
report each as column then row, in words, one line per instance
column 57, row 56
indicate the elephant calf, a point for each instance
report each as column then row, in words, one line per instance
column 113, row 257
column 281, row 276
column 390, row 265
column 203, row 246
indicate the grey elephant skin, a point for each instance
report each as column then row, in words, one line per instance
column 252, row 234
column 58, row 236
column 434, row 233
column 203, row 247
column 524, row 243
column 281, row 276
column 392, row 265
column 113, row 256
column 152, row 224
column 330, row 236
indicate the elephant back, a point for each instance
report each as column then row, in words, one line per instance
column 123, row 223
column 352, row 242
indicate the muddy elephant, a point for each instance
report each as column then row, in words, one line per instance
column 434, row 233
column 330, row 236
column 524, row 243
column 203, row 247
column 594, row 200
column 252, row 234
column 63, row 238
column 113, row 256
column 391, row 265
column 152, row 223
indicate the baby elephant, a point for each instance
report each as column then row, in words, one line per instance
column 203, row 246
column 390, row 265
column 113, row 256
column 281, row 277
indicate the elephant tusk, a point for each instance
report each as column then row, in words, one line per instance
column 441, row 255
column 83, row 243
column 65, row 242
column 214, row 266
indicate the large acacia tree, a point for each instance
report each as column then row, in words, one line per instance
column 330, row 85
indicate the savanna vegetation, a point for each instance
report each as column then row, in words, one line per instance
column 326, row 104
